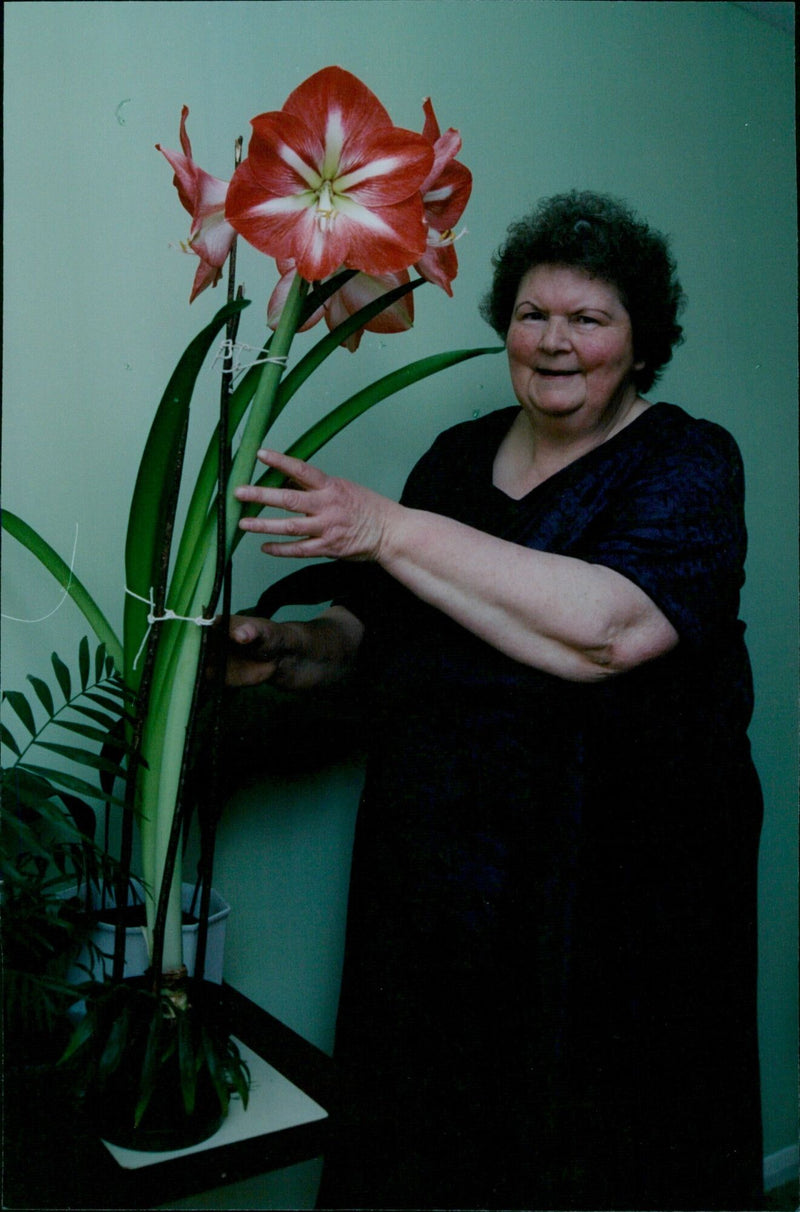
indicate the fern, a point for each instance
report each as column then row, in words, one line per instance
column 48, row 824
column 95, row 711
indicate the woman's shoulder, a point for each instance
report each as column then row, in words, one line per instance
column 683, row 454
column 675, row 422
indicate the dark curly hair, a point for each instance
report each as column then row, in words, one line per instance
column 602, row 236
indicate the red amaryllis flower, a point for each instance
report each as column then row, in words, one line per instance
column 329, row 181
column 445, row 193
column 350, row 298
column 210, row 236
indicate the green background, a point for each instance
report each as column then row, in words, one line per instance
column 685, row 109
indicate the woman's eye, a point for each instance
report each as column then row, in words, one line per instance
column 586, row 320
column 530, row 315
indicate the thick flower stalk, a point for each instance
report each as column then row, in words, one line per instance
column 347, row 203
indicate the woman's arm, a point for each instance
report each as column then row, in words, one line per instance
column 293, row 656
column 566, row 617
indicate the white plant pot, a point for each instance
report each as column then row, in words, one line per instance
column 137, row 959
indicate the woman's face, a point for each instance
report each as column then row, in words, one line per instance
column 570, row 348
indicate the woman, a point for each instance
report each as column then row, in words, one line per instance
column 549, row 989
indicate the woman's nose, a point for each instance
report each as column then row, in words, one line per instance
column 555, row 335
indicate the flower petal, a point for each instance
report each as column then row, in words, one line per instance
column 382, row 240
column 446, row 198
column 203, row 196
column 439, row 265
column 386, row 168
column 334, row 91
column 212, row 237
column 330, row 182
column 277, row 299
column 447, row 187
column 207, row 275
column 366, row 288
column 285, row 154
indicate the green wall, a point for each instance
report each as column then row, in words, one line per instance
column 685, row 109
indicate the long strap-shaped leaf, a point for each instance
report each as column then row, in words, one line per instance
column 316, row 437
column 207, row 476
column 155, row 483
column 325, row 347
column 201, row 501
column 65, row 576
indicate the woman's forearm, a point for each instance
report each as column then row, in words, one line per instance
column 573, row 619
column 564, row 616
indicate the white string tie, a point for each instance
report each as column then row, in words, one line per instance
column 228, row 348
column 12, row 618
column 169, row 616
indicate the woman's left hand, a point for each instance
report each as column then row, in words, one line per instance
column 329, row 516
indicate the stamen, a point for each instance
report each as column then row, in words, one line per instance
column 326, row 208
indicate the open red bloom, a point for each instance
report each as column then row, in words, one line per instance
column 355, row 294
column 210, row 236
column 445, row 193
column 329, row 181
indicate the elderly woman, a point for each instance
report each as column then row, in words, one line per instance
column 549, row 988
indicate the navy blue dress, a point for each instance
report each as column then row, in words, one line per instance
column 550, row 973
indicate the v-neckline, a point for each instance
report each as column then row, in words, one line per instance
column 608, row 443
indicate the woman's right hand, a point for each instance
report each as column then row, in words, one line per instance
column 292, row 655
column 254, row 651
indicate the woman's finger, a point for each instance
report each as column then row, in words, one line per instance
column 303, row 474
column 293, row 525
column 295, row 500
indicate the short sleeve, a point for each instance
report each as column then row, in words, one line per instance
column 677, row 530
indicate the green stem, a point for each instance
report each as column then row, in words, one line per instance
column 185, row 592
column 179, row 648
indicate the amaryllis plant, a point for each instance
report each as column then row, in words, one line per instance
column 349, row 206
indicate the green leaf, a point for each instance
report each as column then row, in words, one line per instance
column 66, row 577
column 309, row 363
column 321, row 292
column 72, row 783
column 82, row 814
column 43, row 694
column 339, row 418
column 100, row 717
column 30, row 789
column 80, row 1036
column 22, row 707
column 8, row 739
column 84, row 730
column 238, row 1073
column 150, row 1067
column 215, row 1068
column 154, row 494
column 83, row 757
column 207, row 477
column 103, row 700
column 84, row 661
column 27, row 839
column 116, row 1043
column 99, row 662
column 62, row 675
column 186, row 1061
